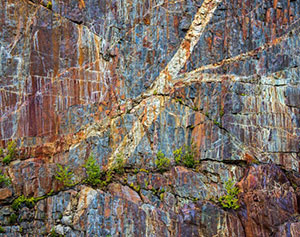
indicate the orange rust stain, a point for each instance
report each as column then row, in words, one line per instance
column 209, row 43
column 146, row 20
column 248, row 158
column 81, row 4
column 275, row 4
column 187, row 46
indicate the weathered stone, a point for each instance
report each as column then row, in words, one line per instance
column 129, row 78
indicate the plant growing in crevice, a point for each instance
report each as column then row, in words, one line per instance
column 4, row 180
column 94, row 174
column 230, row 199
column 10, row 152
column 64, row 175
column 119, row 164
column 12, row 218
column 28, row 202
column 186, row 156
column 162, row 163
column 49, row 5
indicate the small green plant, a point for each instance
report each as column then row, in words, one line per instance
column 1, row 152
column 4, row 179
column 7, row 159
column 230, row 200
column 64, row 175
column 144, row 170
column 179, row 100
column 12, row 218
column 2, row 230
column 49, row 5
column 136, row 188
column 221, row 113
column 155, row 92
column 178, row 155
column 118, row 167
column 162, row 163
column 188, row 158
column 93, row 172
column 95, row 176
column 10, row 152
column 216, row 123
column 29, row 202
column 18, row 202
column 53, row 233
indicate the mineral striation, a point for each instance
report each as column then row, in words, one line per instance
column 121, row 80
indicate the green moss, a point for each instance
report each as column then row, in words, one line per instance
column 1, row 152
column 2, row 230
column 206, row 114
column 64, row 175
column 162, row 163
column 230, row 199
column 161, row 196
column 155, row 92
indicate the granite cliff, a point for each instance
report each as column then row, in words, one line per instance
column 124, row 80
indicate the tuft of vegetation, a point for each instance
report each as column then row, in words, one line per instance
column 12, row 218
column 230, row 200
column 162, row 163
column 95, row 176
column 136, row 188
column 64, row 175
column 119, row 164
column 2, row 230
column 216, row 123
column 53, row 233
column 93, row 172
column 49, row 5
column 222, row 113
column 178, row 155
column 10, row 152
column 4, row 179
column 186, row 156
column 23, row 201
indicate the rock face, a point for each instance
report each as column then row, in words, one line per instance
column 127, row 79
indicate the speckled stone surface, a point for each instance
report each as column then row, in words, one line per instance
column 133, row 77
